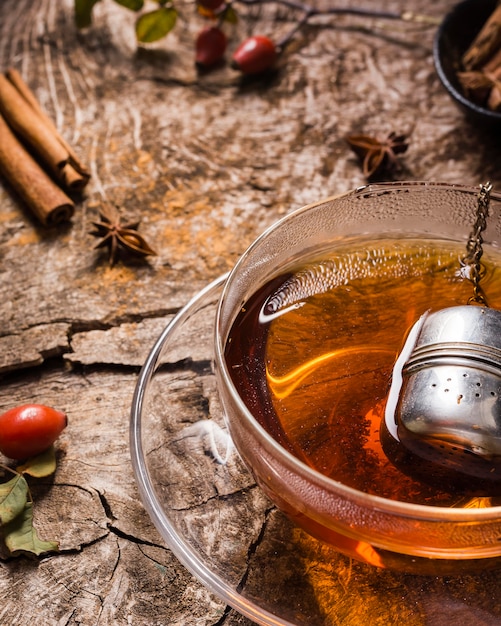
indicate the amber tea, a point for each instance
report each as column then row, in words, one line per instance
column 312, row 354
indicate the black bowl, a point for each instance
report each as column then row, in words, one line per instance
column 454, row 35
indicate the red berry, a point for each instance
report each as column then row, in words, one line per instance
column 211, row 4
column 255, row 55
column 29, row 429
column 210, row 46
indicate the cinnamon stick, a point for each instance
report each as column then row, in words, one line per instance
column 23, row 113
column 15, row 78
column 492, row 69
column 41, row 194
column 494, row 62
column 485, row 43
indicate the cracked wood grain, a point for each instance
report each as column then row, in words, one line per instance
column 31, row 347
column 130, row 343
column 127, row 344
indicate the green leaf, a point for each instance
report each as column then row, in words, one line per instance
column 133, row 5
column 41, row 465
column 21, row 536
column 13, row 497
column 154, row 25
column 83, row 12
column 230, row 15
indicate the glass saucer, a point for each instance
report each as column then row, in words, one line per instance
column 210, row 512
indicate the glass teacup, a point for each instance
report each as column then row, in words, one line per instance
column 425, row 534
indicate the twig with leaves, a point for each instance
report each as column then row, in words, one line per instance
column 255, row 55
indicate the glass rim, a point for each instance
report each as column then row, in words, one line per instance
column 185, row 553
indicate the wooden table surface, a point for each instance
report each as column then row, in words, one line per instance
column 206, row 162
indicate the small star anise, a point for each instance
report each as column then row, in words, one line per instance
column 116, row 236
column 378, row 155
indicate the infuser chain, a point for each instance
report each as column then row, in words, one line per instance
column 474, row 248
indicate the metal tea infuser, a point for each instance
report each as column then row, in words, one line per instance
column 444, row 405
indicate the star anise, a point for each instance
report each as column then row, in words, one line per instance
column 378, row 155
column 116, row 236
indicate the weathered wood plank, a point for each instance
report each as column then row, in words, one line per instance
column 32, row 346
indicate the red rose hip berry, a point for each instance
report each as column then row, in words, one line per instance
column 210, row 46
column 255, row 55
column 30, row 429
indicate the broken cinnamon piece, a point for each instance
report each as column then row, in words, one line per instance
column 21, row 110
column 476, row 85
column 494, row 99
column 40, row 193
